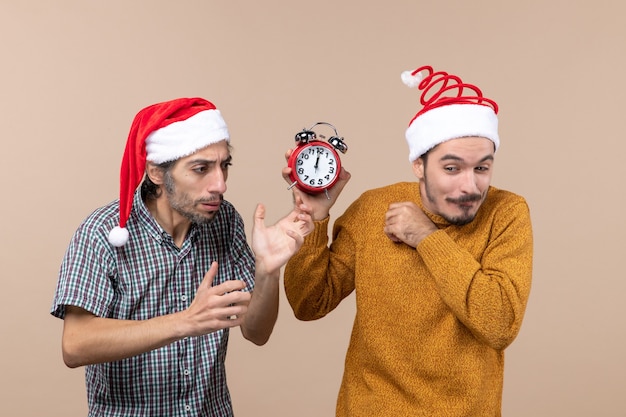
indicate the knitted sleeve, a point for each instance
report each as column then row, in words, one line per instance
column 489, row 293
column 317, row 277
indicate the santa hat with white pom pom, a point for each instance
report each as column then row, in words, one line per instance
column 161, row 133
column 451, row 109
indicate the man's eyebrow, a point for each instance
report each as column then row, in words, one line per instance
column 200, row 161
column 228, row 159
column 452, row 157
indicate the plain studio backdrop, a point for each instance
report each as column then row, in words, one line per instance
column 74, row 74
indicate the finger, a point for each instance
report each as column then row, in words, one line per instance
column 235, row 298
column 293, row 215
column 398, row 205
column 259, row 216
column 229, row 286
column 300, row 213
column 298, row 200
column 228, row 305
column 393, row 238
column 209, row 276
column 286, row 172
column 304, row 208
column 233, row 321
column 344, row 177
column 305, row 219
column 391, row 235
column 390, row 214
column 230, row 316
column 296, row 236
column 305, row 215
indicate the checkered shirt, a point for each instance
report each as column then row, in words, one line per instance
column 150, row 277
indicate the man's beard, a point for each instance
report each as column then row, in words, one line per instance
column 461, row 220
column 182, row 204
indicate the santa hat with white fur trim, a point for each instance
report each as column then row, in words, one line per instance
column 161, row 133
column 451, row 109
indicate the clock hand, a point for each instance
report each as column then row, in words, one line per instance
column 316, row 162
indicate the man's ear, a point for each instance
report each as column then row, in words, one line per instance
column 154, row 172
column 418, row 168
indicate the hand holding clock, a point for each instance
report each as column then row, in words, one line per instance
column 314, row 170
column 319, row 203
column 309, row 176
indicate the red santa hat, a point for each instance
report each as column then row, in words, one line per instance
column 161, row 133
column 451, row 109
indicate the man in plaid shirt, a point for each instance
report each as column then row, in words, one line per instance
column 151, row 283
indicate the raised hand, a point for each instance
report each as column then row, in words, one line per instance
column 216, row 307
column 274, row 245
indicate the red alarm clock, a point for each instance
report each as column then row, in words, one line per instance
column 315, row 164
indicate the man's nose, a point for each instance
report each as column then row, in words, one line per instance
column 217, row 183
column 469, row 183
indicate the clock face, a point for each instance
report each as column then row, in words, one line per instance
column 315, row 166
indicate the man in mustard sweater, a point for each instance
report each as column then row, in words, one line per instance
column 441, row 267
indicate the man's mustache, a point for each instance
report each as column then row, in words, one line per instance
column 212, row 199
column 468, row 198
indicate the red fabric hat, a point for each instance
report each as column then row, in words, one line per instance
column 160, row 133
column 451, row 109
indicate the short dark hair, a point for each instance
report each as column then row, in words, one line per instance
column 424, row 157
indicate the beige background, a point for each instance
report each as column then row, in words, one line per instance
column 74, row 73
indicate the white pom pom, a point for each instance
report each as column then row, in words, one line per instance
column 410, row 80
column 118, row 236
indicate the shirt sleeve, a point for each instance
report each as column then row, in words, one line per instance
column 85, row 280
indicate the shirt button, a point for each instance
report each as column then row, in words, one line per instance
column 183, row 297
column 187, row 408
column 186, row 372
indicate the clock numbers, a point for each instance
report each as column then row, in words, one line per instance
column 316, row 166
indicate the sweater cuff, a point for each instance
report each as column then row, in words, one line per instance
column 319, row 235
column 435, row 245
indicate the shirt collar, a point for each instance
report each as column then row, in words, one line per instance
column 149, row 223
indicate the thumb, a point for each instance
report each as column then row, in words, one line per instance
column 344, row 177
column 209, row 276
column 259, row 216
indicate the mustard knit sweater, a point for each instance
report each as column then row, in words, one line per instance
column 432, row 322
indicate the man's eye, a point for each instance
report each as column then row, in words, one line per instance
column 226, row 165
column 200, row 170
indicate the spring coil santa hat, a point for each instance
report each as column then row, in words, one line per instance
column 161, row 133
column 451, row 109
